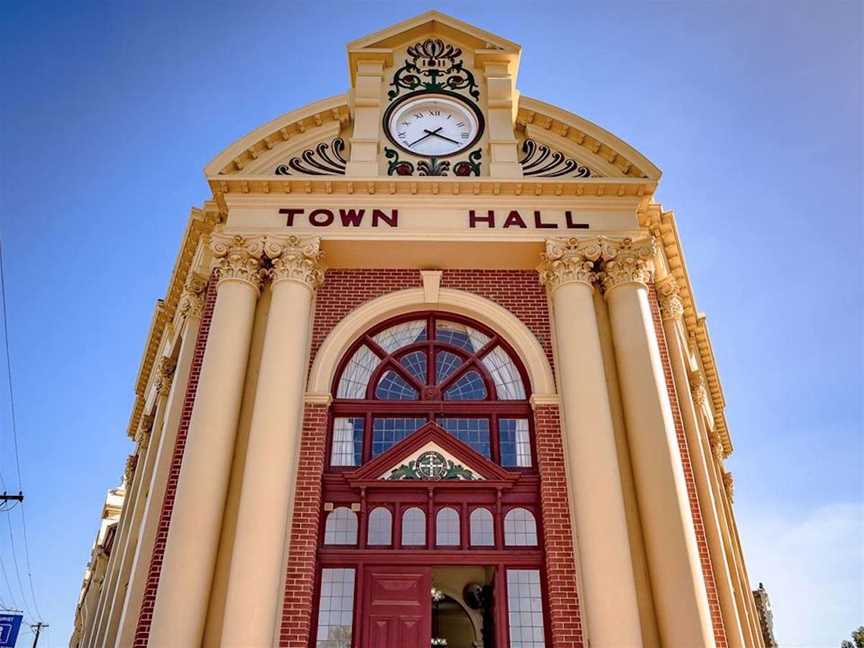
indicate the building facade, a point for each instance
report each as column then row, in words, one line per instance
column 429, row 371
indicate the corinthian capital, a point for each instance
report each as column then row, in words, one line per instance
column 145, row 427
column 729, row 485
column 627, row 261
column 568, row 261
column 296, row 258
column 165, row 375
column 697, row 387
column 191, row 302
column 671, row 306
column 129, row 470
column 238, row 258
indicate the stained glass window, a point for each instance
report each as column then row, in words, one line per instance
column 469, row 387
column 525, row 608
column 520, row 528
column 447, row 531
column 482, row 528
column 473, row 431
column 335, row 609
column 380, row 526
column 392, row 386
column 394, row 338
column 356, row 375
column 347, row 445
column 508, row 382
column 515, row 442
column 341, row 527
column 387, row 432
column 413, row 527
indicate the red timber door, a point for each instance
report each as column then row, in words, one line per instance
column 396, row 603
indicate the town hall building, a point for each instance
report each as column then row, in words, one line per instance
column 429, row 371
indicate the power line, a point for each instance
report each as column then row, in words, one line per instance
column 15, row 445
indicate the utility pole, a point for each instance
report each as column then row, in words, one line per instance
column 37, row 627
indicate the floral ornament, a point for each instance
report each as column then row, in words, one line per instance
column 324, row 159
column 434, row 66
column 396, row 166
column 541, row 161
column 432, row 166
column 469, row 167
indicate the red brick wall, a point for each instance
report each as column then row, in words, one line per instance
column 565, row 617
column 145, row 616
column 295, row 631
column 695, row 510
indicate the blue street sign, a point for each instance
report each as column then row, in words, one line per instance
column 9, row 626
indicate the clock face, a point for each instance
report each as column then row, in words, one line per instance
column 433, row 126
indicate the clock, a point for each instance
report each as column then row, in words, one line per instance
column 433, row 125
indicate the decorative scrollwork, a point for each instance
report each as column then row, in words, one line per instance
column 542, row 161
column 433, row 65
column 431, row 466
column 324, row 159
column 432, row 166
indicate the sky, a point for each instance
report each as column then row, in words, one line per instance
column 753, row 110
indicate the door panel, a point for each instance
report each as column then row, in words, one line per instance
column 397, row 607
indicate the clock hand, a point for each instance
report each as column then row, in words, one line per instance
column 428, row 134
column 443, row 137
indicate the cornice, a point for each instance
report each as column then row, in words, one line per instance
column 662, row 225
column 493, row 187
column 201, row 222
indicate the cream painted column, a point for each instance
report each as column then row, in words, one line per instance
column 196, row 520
column 672, row 310
column 266, row 495
column 609, row 596
column 680, row 598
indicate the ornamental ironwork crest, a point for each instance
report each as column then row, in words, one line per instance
column 323, row 159
column 434, row 66
column 431, row 466
column 541, row 161
column 432, row 166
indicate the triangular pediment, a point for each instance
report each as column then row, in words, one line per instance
column 430, row 454
column 432, row 23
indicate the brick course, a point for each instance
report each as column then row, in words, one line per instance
column 695, row 510
column 148, row 602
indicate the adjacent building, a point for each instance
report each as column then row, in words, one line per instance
column 429, row 371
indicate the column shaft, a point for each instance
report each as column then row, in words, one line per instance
column 608, row 581
column 266, row 495
column 679, row 588
column 196, row 520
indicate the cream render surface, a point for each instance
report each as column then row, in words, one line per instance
column 640, row 579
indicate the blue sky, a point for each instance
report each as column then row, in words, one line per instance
column 753, row 111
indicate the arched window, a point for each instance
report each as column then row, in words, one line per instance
column 403, row 369
column 380, row 526
column 447, row 528
column 413, row 527
column 520, row 528
column 341, row 527
column 482, row 528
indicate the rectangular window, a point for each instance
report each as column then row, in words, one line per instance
column 335, row 609
column 525, row 608
column 473, row 431
column 515, row 442
column 387, row 432
column 347, row 446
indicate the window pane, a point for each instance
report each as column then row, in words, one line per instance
column 508, row 382
column 482, row 529
column 515, row 442
column 387, row 432
column 525, row 608
column 341, row 527
column 347, row 444
column 355, row 377
column 335, row 608
column 460, row 335
column 401, row 335
column 468, row 387
column 445, row 364
column 380, row 526
column 392, row 386
column 415, row 363
column 447, row 528
column 473, row 431
column 413, row 527
column 520, row 529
